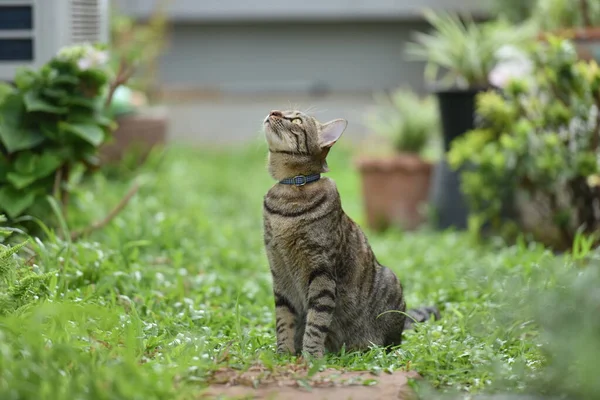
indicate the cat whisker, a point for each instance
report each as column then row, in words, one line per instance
column 309, row 109
column 319, row 111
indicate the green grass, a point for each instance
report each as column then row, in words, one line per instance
column 178, row 286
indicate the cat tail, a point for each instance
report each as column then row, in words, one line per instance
column 420, row 314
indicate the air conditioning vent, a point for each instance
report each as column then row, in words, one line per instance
column 85, row 21
column 33, row 31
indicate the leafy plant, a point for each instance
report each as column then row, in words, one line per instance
column 553, row 15
column 18, row 286
column 515, row 11
column 138, row 45
column 52, row 121
column 541, row 136
column 409, row 120
column 550, row 15
column 466, row 50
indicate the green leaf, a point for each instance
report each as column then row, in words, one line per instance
column 24, row 78
column 91, row 133
column 105, row 122
column 92, row 117
column 59, row 213
column 4, row 168
column 8, row 252
column 83, row 102
column 5, row 90
column 14, row 202
column 25, row 162
column 94, row 77
column 12, row 134
column 20, row 181
column 55, row 93
column 34, row 102
column 65, row 79
column 29, row 167
column 50, row 130
column 47, row 164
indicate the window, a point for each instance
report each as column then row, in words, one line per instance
column 16, row 18
column 16, row 49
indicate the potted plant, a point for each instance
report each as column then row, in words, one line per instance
column 136, row 48
column 467, row 52
column 396, row 186
column 541, row 135
column 52, row 123
column 578, row 20
column 140, row 128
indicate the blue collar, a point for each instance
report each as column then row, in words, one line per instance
column 301, row 180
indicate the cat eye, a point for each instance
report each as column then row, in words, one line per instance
column 297, row 121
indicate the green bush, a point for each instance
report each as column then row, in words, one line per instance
column 51, row 121
column 410, row 121
column 540, row 136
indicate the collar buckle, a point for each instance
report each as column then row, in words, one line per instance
column 300, row 180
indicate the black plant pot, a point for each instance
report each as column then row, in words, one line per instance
column 457, row 111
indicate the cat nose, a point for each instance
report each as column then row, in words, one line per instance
column 275, row 113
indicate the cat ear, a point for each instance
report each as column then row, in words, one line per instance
column 331, row 132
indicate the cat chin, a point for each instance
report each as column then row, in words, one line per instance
column 272, row 136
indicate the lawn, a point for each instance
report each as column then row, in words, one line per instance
column 177, row 286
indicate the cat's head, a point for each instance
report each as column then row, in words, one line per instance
column 298, row 143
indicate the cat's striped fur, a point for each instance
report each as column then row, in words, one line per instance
column 330, row 290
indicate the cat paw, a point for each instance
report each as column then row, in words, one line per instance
column 285, row 350
column 312, row 353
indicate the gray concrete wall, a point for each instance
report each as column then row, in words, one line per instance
column 254, row 56
column 290, row 57
column 238, row 119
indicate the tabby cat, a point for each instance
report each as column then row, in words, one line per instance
column 329, row 289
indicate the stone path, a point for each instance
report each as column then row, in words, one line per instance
column 293, row 384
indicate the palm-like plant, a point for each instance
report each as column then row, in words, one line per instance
column 410, row 121
column 466, row 50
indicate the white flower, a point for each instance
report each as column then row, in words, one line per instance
column 93, row 58
column 84, row 64
column 86, row 56
column 512, row 63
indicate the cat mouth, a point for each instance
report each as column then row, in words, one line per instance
column 272, row 127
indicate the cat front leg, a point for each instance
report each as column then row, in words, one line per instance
column 285, row 323
column 321, row 305
column 286, row 314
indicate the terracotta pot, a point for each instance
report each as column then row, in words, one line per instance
column 588, row 44
column 586, row 40
column 139, row 132
column 394, row 189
